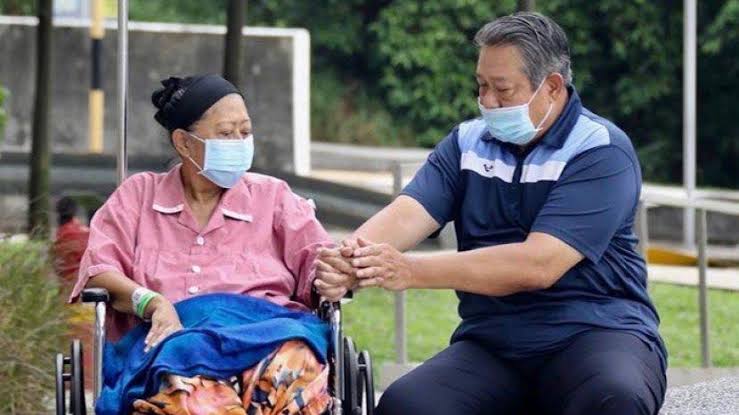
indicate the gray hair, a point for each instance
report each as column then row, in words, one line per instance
column 540, row 40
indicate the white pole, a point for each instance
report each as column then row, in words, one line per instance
column 689, row 115
column 122, row 161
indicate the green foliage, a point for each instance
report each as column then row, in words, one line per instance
column 412, row 64
column 627, row 58
column 345, row 112
column 427, row 61
column 32, row 327
column 179, row 11
column 3, row 112
column 18, row 7
column 718, row 89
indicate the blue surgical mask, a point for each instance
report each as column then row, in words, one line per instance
column 512, row 124
column 226, row 160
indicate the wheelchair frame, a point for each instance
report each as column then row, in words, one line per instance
column 351, row 382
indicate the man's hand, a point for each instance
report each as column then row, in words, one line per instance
column 334, row 274
column 164, row 321
column 381, row 265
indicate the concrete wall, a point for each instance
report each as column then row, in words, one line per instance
column 276, row 83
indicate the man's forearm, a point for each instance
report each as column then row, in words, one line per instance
column 495, row 271
column 402, row 224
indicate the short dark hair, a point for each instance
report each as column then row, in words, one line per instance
column 540, row 40
column 66, row 209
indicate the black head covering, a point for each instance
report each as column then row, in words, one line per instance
column 182, row 101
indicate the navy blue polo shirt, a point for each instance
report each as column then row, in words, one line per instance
column 580, row 184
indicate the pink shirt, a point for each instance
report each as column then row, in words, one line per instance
column 260, row 240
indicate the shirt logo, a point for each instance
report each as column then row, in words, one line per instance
column 486, row 167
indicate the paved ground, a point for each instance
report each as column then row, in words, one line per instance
column 722, row 278
column 715, row 397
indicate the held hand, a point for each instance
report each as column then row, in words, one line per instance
column 348, row 246
column 164, row 321
column 382, row 265
column 334, row 275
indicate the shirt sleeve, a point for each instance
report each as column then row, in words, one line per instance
column 301, row 235
column 436, row 186
column 112, row 236
column 594, row 198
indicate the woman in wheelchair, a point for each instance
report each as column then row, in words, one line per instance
column 227, row 254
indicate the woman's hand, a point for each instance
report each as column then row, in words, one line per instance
column 164, row 321
column 334, row 275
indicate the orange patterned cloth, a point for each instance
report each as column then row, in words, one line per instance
column 288, row 381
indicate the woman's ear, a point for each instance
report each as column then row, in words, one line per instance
column 180, row 142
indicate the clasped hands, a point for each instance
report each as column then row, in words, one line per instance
column 359, row 263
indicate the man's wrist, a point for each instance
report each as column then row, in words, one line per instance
column 415, row 265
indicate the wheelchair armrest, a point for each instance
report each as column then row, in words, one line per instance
column 325, row 307
column 95, row 295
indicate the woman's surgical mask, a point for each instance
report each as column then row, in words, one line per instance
column 513, row 124
column 225, row 160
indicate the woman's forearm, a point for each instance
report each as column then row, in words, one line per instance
column 119, row 287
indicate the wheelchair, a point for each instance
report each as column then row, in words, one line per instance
column 350, row 372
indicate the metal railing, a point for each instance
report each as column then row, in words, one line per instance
column 701, row 207
column 649, row 198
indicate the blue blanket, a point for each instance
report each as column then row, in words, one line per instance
column 223, row 335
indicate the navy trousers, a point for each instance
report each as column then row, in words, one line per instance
column 600, row 372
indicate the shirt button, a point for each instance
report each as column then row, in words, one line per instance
column 196, row 269
column 193, row 290
column 200, row 241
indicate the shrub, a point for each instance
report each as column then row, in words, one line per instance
column 33, row 327
column 345, row 112
column 3, row 113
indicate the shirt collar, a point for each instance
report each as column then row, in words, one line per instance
column 560, row 130
column 557, row 134
column 170, row 197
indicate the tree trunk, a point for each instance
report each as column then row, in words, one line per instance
column 235, row 16
column 526, row 5
column 38, row 189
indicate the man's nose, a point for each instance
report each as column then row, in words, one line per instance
column 489, row 101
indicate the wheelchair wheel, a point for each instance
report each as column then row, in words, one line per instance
column 76, row 379
column 61, row 377
column 351, row 404
column 365, row 367
column 77, row 404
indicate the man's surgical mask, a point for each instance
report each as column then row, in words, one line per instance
column 225, row 160
column 513, row 124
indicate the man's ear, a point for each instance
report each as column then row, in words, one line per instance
column 556, row 85
column 180, row 142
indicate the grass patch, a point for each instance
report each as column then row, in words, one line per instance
column 432, row 316
column 678, row 309
column 33, row 327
